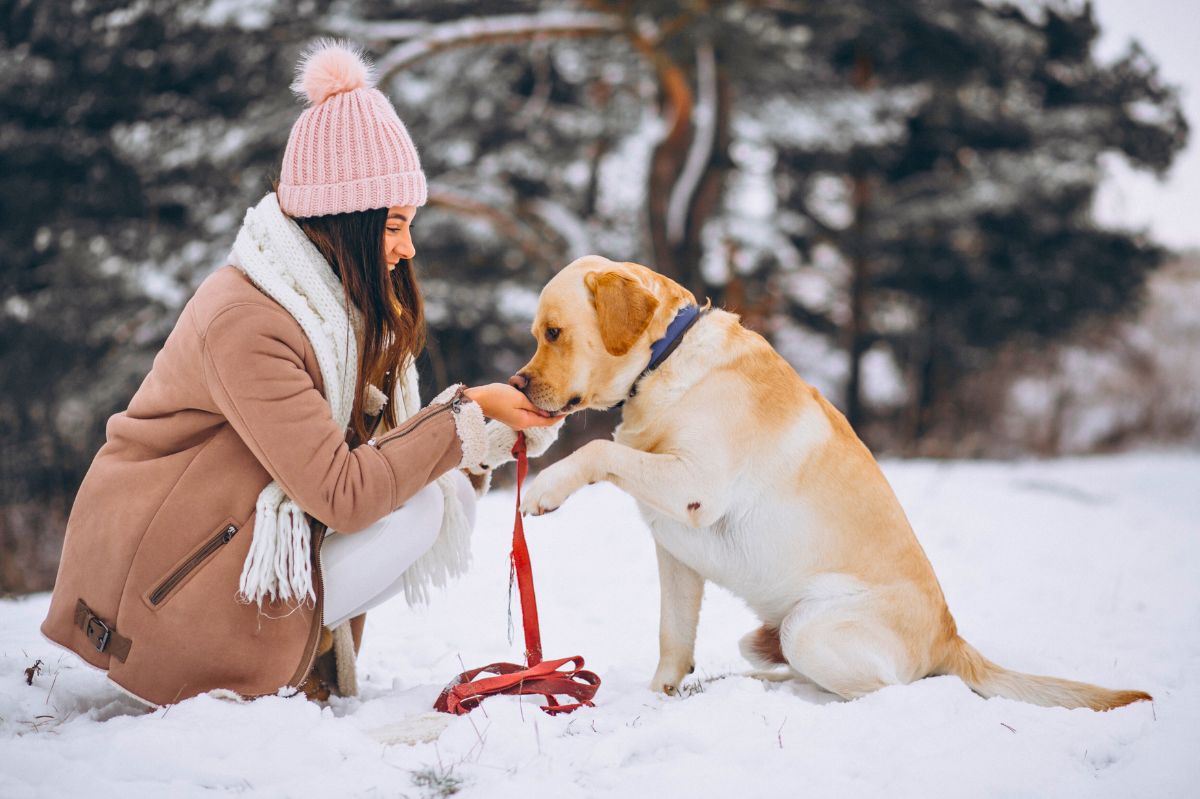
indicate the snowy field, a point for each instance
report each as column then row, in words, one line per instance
column 1088, row 569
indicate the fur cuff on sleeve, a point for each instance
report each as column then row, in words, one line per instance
column 468, row 423
column 539, row 439
column 500, row 440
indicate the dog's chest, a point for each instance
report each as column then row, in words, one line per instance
column 734, row 552
column 759, row 550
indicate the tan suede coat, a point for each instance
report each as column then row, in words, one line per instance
column 164, row 517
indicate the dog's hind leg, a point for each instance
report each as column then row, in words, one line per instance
column 845, row 647
column 762, row 648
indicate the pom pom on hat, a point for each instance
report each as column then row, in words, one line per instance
column 329, row 67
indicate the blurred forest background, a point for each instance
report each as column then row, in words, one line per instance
column 898, row 193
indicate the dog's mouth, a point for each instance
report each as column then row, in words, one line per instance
column 576, row 404
column 573, row 404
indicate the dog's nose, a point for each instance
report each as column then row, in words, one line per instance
column 519, row 381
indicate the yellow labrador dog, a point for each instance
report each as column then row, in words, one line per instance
column 749, row 478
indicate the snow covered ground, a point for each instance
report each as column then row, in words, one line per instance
column 1086, row 568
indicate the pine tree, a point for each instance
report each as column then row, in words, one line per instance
column 967, row 213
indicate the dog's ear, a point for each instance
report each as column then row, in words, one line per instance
column 623, row 307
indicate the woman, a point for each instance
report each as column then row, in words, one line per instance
column 273, row 476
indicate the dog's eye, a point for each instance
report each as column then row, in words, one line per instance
column 552, row 333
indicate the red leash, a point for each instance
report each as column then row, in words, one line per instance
column 549, row 678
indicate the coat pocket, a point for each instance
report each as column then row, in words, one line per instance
column 165, row 588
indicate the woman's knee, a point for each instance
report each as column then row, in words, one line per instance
column 411, row 528
column 359, row 567
column 420, row 517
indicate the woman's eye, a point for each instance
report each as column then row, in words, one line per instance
column 552, row 333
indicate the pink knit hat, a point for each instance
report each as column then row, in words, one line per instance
column 348, row 151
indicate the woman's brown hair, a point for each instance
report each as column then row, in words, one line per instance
column 390, row 301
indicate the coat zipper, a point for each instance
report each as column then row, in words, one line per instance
column 377, row 443
column 216, row 542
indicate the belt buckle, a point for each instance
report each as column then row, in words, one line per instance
column 98, row 637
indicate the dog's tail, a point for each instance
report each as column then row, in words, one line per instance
column 987, row 679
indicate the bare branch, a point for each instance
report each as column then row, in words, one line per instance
column 511, row 226
column 834, row 236
column 566, row 224
column 379, row 31
column 489, row 30
column 811, row 319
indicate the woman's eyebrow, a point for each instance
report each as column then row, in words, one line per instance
column 397, row 215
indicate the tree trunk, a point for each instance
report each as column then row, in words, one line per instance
column 666, row 162
column 859, row 327
column 926, row 388
column 688, row 166
column 711, row 188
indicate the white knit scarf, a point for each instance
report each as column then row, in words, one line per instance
column 281, row 261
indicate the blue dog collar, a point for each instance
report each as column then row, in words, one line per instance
column 661, row 348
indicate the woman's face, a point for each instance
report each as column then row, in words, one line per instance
column 397, row 235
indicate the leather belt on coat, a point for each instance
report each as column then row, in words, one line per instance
column 103, row 636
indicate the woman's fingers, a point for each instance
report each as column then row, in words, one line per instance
column 525, row 405
column 522, row 418
column 503, row 402
column 540, row 420
column 521, row 405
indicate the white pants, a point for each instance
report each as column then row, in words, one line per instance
column 361, row 570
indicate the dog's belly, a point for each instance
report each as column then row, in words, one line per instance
column 762, row 555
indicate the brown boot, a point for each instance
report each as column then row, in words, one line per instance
column 323, row 677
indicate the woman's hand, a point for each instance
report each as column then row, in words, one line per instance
column 506, row 404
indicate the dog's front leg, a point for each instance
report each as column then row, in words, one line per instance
column 682, row 590
column 555, row 483
column 692, row 491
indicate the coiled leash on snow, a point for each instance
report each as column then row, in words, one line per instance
column 550, row 678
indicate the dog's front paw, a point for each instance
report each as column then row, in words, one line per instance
column 665, row 687
column 668, row 678
column 552, row 487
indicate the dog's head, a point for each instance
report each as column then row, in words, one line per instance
column 595, row 322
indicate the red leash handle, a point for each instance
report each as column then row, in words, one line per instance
column 522, row 567
column 549, row 678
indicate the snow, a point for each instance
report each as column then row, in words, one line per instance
column 1083, row 568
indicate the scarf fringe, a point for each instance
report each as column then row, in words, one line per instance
column 275, row 572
